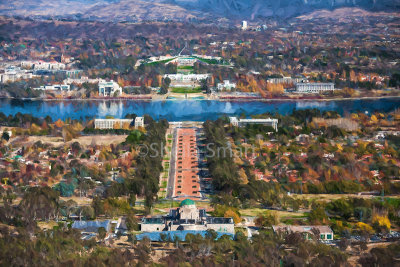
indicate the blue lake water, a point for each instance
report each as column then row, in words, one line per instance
column 179, row 110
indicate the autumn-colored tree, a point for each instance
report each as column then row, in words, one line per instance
column 34, row 129
column 125, row 126
column 348, row 92
column 381, row 222
column 363, row 227
column 243, row 176
column 59, row 123
column 275, row 89
column 117, row 125
column 230, row 213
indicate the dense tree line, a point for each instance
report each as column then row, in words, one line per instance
column 20, row 120
column 219, row 157
column 63, row 247
column 145, row 181
column 93, row 131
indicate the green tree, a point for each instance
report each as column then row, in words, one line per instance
column 5, row 135
column 102, row 233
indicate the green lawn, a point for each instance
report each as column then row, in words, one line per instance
column 281, row 214
column 185, row 90
column 159, row 62
column 212, row 61
column 185, row 67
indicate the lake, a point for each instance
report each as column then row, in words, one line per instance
column 183, row 110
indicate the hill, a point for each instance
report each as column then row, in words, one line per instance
column 181, row 10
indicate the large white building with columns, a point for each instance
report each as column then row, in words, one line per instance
column 314, row 88
column 110, row 123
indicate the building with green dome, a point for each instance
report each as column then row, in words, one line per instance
column 187, row 218
column 187, row 202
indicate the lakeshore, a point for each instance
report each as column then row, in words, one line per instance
column 192, row 109
column 198, row 98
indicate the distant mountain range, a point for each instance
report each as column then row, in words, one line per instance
column 181, row 10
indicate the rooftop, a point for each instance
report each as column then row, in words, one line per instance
column 180, row 235
column 187, row 202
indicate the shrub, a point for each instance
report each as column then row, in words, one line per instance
column 363, row 227
column 381, row 222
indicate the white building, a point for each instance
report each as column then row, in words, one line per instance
column 83, row 80
column 227, row 85
column 109, row 88
column 314, row 88
column 42, row 65
column 287, row 80
column 60, row 87
column 243, row 122
column 186, row 80
column 244, row 25
column 187, row 217
column 12, row 77
column 110, row 123
column 12, row 74
column 139, row 122
column 184, row 60
column 187, row 77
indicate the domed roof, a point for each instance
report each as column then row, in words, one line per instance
column 187, row 202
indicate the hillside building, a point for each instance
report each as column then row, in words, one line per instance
column 43, row 65
column 184, row 61
column 244, row 25
column 226, row 85
column 54, row 87
column 83, row 80
column 287, row 80
column 110, row 89
column 12, row 74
